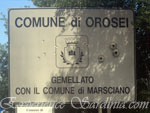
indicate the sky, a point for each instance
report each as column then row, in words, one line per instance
column 4, row 6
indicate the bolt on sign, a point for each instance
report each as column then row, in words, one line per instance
column 68, row 54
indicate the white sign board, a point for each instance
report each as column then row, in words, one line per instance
column 58, row 54
column 35, row 110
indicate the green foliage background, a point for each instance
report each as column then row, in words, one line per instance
column 142, row 29
column 3, row 71
column 4, row 63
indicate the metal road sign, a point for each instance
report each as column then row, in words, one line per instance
column 67, row 54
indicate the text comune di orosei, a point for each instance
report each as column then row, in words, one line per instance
column 105, row 22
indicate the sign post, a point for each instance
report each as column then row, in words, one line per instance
column 69, row 54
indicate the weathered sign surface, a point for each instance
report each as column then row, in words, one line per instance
column 58, row 54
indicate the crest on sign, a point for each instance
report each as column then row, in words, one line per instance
column 72, row 53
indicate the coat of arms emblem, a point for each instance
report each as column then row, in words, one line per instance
column 72, row 51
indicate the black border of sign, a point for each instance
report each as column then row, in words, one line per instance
column 135, row 77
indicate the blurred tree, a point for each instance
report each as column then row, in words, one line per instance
column 142, row 20
column 3, row 71
column 4, row 63
column 5, row 20
column 82, row 3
